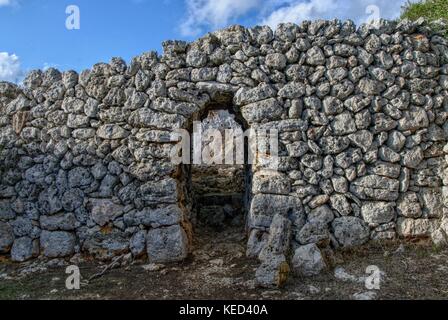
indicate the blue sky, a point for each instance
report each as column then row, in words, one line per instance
column 33, row 33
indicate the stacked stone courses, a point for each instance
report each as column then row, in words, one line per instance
column 361, row 114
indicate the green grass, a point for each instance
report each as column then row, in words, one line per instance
column 429, row 9
column 9, row 290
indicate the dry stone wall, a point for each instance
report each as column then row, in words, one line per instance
column 218, row 190
column 362, row 119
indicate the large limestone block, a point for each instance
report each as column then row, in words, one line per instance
column 270, row 182
column 272, row 272
column 350, row 231
column 56, row 244
column 416, row 228
column 6, row 237
column 308, row 260
column 265, row 206
column 378, row 212
column 104, row 211
column 167, row 244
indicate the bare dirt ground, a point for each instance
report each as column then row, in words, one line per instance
column 218, row 269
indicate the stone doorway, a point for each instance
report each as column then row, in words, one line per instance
column 219, row 193
column 218, row 189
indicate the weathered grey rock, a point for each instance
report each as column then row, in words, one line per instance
column 413, row 120
column 322, row 215
column 340, row 203
column 6, row 237
column 163, row 216
column 385, row 169
column 279, row 238
column 332, row 105
column 77, row 121
column 166, row 244
column 415, row 228
column 159, row 192
column 308, row 260
column 265, row 206
column 313, row 231
column 312, row 161
column 439, row 238
column 107, row 185
column 396, row 141
column 72, row 199
column 375, row 187
column 362, row 139
column 271, row 182
column 350, row 231
column 112, row 132
column 378, row 212
column 343, row 124
column 262, row 111
column 409, row 206
column 256, row 242
column 148, row 118
column 137, row 244
column 412, row 158
column 24, row 249
column 388, row 155
column 431, row 200
column 22, row 226
column 334, row 145
column 292, row 90
column 273, row 272
column 315, row 56
column 371, row 87
column 56, row 244
column 61, row 221
column 79, row 177
column 6, row 212
column 276, row 61
column 196, row 58
column 106, row 245
column 365, row 296
column 340, row 184
column 261, row 92
column 318, row 201
column 35, row 174
column 104, row 211
column 297, row 149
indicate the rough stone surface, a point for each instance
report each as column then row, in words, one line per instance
column 166, row 244
column 361, row 123
column 350, row 231
column 6, row 237
column 104, row 210
column 308, row 260
column 272, row 272
column 378, row 212
column 138, row 243
column 415, row 228
column 24, row 249
column 56, row 244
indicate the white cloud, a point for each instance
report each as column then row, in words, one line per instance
column 213, row 14
column 10, row 69
column 4, row 3
column 357, row 10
